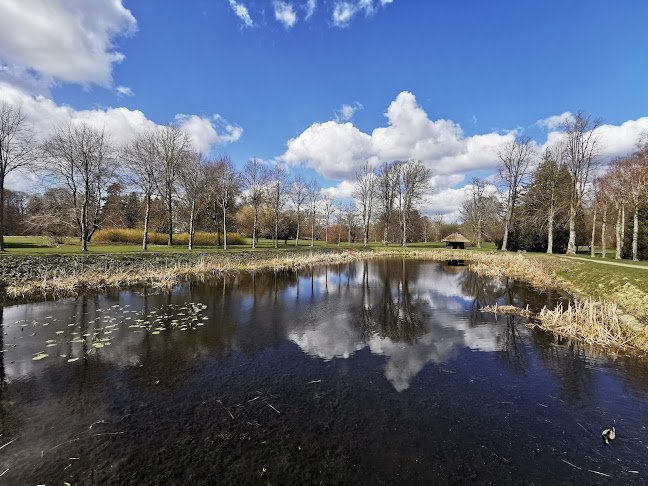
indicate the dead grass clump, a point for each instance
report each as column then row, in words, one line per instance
column 592, row 322
column 510, row 310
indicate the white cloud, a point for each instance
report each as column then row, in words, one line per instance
column 346, row 112
column 336, row 150
column 242, row 12
column 554, row 122
column 206, row 132
column 121, row 124
column 285, row 13
column 310, row 8
column 124, row 91
column 67, row 40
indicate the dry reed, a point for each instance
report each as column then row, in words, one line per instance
column 592, row 322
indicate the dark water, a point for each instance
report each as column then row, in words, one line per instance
column 380, row 372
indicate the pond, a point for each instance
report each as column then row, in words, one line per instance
column 376, row 372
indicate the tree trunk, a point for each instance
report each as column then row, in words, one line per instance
column 297, row 235
column 84, row 224
column 349, row 240
column 507, row 224
column 593, row 233
column 313, row 229
column 224, row 227
column 618, row 235
column 254, row 230
column 571, row 245
column 2, row 214
column 550, row 225
column 622, row 226
column 479, row 233
column 147, row 215
column 603, row 223
column 635, row 234
column 327, row 226
column 386, row 233
column 191, row 225
column 170, row 216
column 276, row 231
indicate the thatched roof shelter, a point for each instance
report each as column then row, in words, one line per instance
column 456, row 241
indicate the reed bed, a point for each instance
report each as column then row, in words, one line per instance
column 590, row 321
column 135, row 236
column 168, row 273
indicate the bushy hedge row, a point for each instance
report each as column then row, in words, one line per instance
column 135, row 236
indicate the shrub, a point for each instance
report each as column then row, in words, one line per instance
column 134, row 236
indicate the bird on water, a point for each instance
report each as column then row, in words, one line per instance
column 608, row 435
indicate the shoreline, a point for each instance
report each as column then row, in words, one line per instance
column 29, row 278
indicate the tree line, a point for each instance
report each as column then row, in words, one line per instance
column 172, row 184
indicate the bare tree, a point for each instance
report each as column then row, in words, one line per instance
column 350, row 214
column 329, row 210
column 479, row 208
column 192, row 181
column 18, row 150
column 298, row 195
column 637, row 170
column 82, row 157
column 365, row 193
column 313, row 194
column 515, row 157
column 437, row 224
column 174, row 146
column 223, row 185
column 386, row 187
column 278, row 195
column 413, row 182
column 551, row 198
column 582, row 151
column 255, row 177
column 141, row 157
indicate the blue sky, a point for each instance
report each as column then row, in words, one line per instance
column 485, row 67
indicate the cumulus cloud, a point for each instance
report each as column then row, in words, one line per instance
column 554, row 122
column 241, row 12
column 285, row 13
column 120, row 123
column 336, row 150
column 206, row 132
column 67, row 40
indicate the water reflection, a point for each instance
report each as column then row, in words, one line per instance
column 394, row 340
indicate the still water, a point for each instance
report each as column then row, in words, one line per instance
column 378, row 372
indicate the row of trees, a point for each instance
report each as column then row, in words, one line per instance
column 82, row 166
column 553, row 202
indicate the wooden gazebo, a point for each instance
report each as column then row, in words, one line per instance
column 456, row 241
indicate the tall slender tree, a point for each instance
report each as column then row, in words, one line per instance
column 18, row 150
column 365, row 193
column 174, row 146
column 582, row 146
column 515, row 158
column 141, row 157
column 255, row 178
column 278, row 195
column 82, row 157
column 298, row 195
